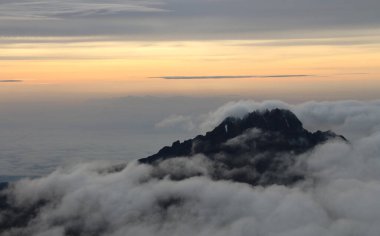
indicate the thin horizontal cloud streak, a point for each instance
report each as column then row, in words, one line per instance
column 57, row 57
column 316, row 42
column 228, row 77
column 10, row 81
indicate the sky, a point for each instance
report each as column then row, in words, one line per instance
column 53, row 49
column 86, row 84
column 84, row 80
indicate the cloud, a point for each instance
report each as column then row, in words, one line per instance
column 356, row 41
column 236, row 109
column 180, row 19
column 350, row 118
column 118, row 128
column 126, row 128
column 53, row 9
column 228, row 77
column 176, row 122
column 10, row 81
column 339, row 197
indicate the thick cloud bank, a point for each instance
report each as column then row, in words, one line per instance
column 339, row 197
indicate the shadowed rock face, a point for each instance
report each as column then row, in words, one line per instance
column 259, row 149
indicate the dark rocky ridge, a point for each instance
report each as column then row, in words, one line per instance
column 259, row 149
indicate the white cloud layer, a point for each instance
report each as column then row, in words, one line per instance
column 339, row 197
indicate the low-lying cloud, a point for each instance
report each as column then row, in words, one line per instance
column 339, row 197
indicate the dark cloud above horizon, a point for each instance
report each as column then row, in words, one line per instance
column 228, row 77
column 180, row 19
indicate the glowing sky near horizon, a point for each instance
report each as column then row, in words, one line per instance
column 94, row 49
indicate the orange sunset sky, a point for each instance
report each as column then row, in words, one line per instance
column 125, row 51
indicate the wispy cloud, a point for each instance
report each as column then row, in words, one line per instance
column 229, row 77
column 183, row 20
column 54, row 9
column 10, row 81
column 316, row 42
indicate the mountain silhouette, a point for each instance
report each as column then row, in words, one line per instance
column 258, row 149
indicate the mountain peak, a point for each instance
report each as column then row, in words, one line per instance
column 254, row 143
column 272, row 120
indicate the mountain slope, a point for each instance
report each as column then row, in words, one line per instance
column 259, row 149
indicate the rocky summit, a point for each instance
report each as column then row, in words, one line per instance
column 259, row 149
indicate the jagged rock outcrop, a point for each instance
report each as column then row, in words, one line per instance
column 259, row 149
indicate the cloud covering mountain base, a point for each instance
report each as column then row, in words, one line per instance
column 339, row 195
